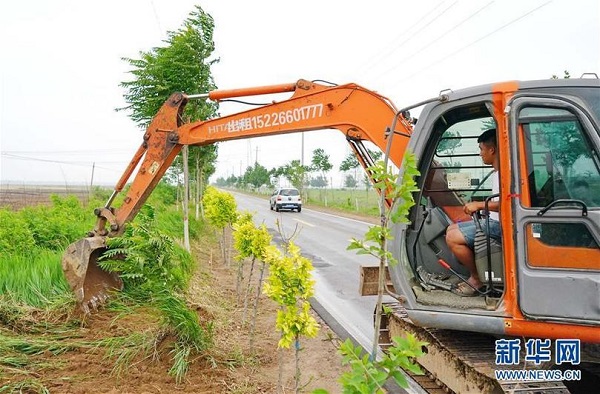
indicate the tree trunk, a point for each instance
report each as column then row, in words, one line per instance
column 280, row 374
column 238, row 281
column 258, row 289
column 297, row 358
column 186, row 202
column 248, row 291
column 201, row 195
column 198, row 186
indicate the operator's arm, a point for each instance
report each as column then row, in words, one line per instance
column 472, row 207
column 493, row 205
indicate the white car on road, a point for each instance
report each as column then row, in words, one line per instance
column 286, row 198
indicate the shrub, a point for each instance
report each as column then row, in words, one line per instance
column 15, row 234
column 55, row 227
column 219, row 207
column 156, row 272
column 144, row 254
column 163, row 194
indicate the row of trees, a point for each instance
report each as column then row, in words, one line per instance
column 314, row 175
column 290, row 284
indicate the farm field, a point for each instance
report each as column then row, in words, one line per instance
column 47, row 347
column 16, row 196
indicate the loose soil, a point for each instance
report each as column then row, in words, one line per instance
column 230, row 366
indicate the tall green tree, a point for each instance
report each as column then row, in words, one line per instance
column 350, row 182
column 351, row 162
column 320, row 162
column 183, row 64
column 294, row 172
column 257, row 175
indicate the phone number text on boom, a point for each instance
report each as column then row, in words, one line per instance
column 287, row 117
column 269, row 120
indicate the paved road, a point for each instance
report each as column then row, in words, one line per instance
column 323, row 238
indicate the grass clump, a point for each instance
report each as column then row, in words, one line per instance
column 156, row 272
column 126, row 349
column 15, row 235
column 36, row 303
column 25, row 386
column 34, row 278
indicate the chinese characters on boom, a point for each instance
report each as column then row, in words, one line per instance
column 273, row 119
column 538, row 351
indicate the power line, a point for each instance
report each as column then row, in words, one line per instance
column 382, row 54
column 475, row 42
column 394, row 67
column 66, row 152
column 396, row 47
column 73, row 163
column 160, row 29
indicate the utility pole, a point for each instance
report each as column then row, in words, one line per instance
column 249, row 153
column 303, row 195
column 91, row 182
column 256, row 158
column 186, row 202
column 302, row 150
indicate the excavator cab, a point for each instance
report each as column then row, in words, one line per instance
column 548, row 143
column 452, row 175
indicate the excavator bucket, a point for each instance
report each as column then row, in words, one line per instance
column 90, row 284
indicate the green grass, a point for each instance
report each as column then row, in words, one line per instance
column 125, row 350
column 35, row 345
column 29, row 385
column 34, row 277
column 36, row 304
column 356, row 201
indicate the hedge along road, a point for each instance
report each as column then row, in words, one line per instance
column 323, row 238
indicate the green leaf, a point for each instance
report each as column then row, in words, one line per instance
column 399, row 378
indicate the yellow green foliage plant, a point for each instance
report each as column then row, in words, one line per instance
column 251, row 242
column 220, row 209
column 290, row 284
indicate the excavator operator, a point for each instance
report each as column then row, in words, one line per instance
column 460, row 237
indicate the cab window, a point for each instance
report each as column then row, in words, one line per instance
column 456, row 173
column 561, row 165
column 560, row 161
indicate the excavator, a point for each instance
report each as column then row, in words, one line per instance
column 541, row 280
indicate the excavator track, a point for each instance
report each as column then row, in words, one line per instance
column 462, row 362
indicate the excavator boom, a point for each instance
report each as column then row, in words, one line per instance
column 361, row 114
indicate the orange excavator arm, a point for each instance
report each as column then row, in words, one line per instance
column 357, row 112
column 361, row 114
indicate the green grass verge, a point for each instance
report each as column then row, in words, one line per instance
column 34, row 277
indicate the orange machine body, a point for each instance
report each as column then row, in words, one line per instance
column 517, row 304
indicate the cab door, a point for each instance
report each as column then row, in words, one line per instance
column 556, row 179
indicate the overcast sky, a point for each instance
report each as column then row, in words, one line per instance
column 60, row 66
